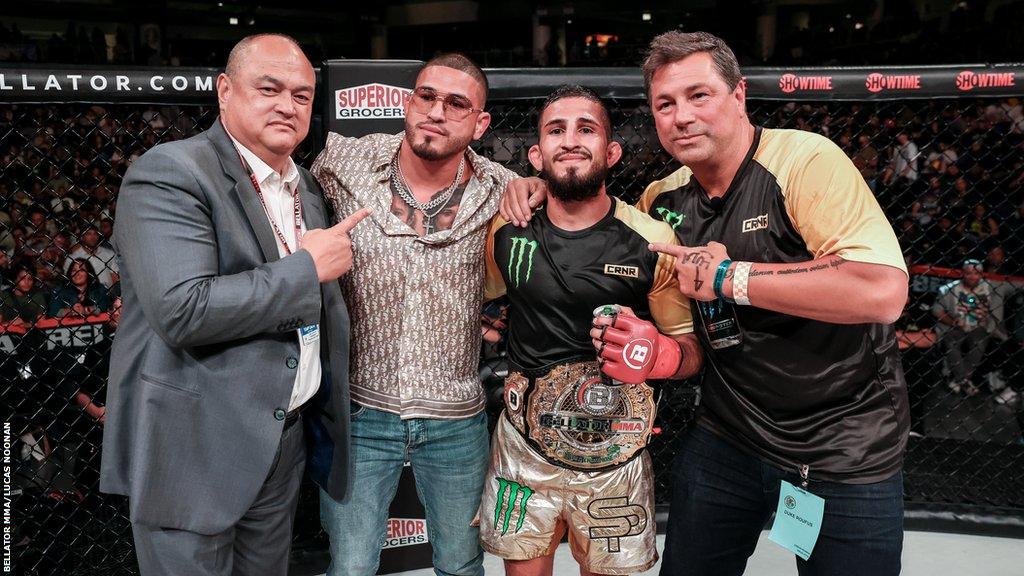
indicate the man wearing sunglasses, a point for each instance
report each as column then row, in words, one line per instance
column 414, row 295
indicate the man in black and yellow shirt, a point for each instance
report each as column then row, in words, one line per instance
column 797, row 278
column 568, row 452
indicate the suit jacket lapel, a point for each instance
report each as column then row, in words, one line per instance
column 312, row 205
column 245, row 192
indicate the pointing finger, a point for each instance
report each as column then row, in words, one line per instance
column 346, row 225
column 670, row 249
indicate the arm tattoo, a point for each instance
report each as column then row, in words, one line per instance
column 833, row 263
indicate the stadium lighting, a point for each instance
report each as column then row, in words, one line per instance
column 858, row 26
column 646, row 16
column 233, row 21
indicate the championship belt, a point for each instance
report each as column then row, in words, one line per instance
column 577, row 418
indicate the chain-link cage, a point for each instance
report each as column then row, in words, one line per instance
column 948, row 173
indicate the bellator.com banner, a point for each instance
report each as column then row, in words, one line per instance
column 109, row 85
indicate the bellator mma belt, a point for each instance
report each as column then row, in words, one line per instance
column 577, row 418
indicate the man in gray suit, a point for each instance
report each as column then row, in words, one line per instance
column 232, row 322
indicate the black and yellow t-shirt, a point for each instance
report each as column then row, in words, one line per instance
column 797, row 391
column 555, row 278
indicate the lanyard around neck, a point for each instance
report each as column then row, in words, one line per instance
column 296, row 204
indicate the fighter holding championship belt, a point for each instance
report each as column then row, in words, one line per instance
column 568, row 451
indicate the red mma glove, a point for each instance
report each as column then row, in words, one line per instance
column 632, row 350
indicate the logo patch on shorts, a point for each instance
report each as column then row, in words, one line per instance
column 624, row 519
column 508, row 494
column 619, row 270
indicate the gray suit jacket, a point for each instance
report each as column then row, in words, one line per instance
column 203, row 362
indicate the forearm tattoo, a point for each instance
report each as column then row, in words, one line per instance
column 834, row 263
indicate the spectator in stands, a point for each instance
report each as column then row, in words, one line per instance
column 91, row 398
column 1013, row 227
column 939, row 160
column 39, row 224
column 980, row 226
column 866, row 160
column 963, row 198
column 925, row 210
column 904, row 161
column 23, row 303
column 106, row 232
column 83, row 295
column 102, row 259
column 48, row 278
column 5, row 270
column 969, row 312
column 941, row 243
column 997, row 263
column 6, row 238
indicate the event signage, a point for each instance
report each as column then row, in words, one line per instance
column 362, row 96
column 367, row 96
column 108, row 84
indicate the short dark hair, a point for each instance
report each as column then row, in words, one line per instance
column 577, row 91
column 462, row 63
column 237, row 53
column 673, row 46
column 90, row 271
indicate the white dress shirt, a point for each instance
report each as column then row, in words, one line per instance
column 280, row 207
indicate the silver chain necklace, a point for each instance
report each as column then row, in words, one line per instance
column 406, row 195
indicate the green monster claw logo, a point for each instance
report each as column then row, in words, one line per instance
column 671, row 218
column 512, row 490
column 515, row 258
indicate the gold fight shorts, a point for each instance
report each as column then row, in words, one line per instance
column 529, row 500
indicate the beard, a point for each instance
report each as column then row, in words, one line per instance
column 435, row 147
column 575, row 186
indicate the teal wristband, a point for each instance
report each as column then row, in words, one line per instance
column 720, row 277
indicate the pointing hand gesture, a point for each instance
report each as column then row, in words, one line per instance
column 331, row 248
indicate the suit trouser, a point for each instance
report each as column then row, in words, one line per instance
column 257, row 545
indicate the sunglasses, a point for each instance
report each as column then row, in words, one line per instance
column 455, row 107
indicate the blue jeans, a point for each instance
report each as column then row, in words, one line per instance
column 449, row 460
column 722, row 498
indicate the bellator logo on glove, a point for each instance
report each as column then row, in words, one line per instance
column 632, row 350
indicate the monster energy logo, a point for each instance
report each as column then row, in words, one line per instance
column 515, row 258
column 508, row 491
column 671, row 218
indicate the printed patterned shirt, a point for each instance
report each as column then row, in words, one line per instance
column 414, row 301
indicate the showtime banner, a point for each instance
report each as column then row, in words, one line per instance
column 885, row 83
column 787, row 84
